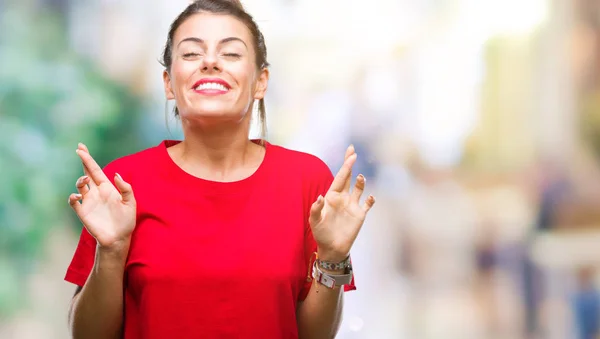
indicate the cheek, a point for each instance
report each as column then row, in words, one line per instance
column 244, row 77
column 180, row 72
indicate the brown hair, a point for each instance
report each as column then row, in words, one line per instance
column 225, row 7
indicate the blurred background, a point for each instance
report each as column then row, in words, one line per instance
column 477, row 124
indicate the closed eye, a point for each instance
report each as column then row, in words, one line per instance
column 232, row 55
column 189, row 55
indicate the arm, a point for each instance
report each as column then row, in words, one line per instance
column 108, row 212
column 97, row 308
column 335, row 221
column 320, row 314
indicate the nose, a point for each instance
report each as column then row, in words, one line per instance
column 210, row 63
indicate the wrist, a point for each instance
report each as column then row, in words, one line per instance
column 335, row 266
column 115, row 247
column 332, row 278
column 116, row 253
column 331, row 256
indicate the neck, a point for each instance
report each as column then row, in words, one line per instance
column 219, row 151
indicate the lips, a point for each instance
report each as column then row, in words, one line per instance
column 211, row 85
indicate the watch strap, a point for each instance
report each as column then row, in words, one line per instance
column 333, row 266
column 331, row 280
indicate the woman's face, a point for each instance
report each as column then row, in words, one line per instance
column 213, row 75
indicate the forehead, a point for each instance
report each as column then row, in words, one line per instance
column 212, row 27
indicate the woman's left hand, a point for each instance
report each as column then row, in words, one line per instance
column 337, row 218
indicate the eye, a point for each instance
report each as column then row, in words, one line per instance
column 232, row 55
column 191, row 55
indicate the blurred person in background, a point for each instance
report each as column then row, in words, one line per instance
column 220, row 237
column 552, row 189
column 586, row 305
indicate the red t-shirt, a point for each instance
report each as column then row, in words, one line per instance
column 211, row 259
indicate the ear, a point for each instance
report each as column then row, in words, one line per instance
column 261, row 84
column 168, row 89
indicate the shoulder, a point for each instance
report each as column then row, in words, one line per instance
column 313, row 172
column 133, row 162
column 298, row 162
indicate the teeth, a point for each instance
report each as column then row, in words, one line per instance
column 211, row 85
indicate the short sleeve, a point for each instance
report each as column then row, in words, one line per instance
column 317, row 184
column 83, row 259
column 85, row 252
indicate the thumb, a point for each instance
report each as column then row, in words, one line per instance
column 125, row 189
column 315, row 210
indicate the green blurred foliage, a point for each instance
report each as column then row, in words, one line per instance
column 50, row 99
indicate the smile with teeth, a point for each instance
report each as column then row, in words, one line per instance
column 211, row 85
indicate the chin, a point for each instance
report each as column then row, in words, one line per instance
column 212, row 114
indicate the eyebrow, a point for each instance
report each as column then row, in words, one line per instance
column 223, row 41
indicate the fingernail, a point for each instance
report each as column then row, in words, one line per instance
column 362, row 178
column 78, row 196
column 81, row 180
column 119, row 176
column 319, row 199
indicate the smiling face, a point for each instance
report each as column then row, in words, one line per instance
column 213, row 75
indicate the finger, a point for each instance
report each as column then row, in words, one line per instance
column 125, row 189
column 316, row 209
column 359, row 188
column 84, row 148
column 349, row 151
column 344, row 174
column 369, row 203
column 74, row 202
column 94, row 171
column 82, row 185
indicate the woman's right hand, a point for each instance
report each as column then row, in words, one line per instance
column 108, row 214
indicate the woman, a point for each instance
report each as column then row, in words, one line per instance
column 221, row 236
